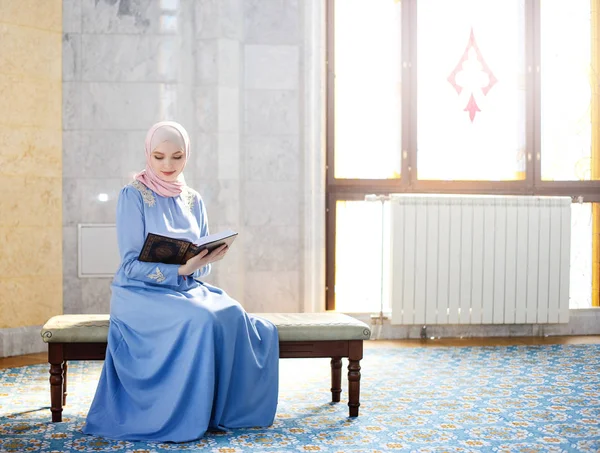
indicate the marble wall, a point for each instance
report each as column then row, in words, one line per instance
column 30, row 171
column 230, row 72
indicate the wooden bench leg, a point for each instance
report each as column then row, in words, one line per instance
column 56, row 360
column 65, row 369
column 354, row 358
column 336, row 379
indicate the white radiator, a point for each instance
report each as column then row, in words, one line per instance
column 480, row 259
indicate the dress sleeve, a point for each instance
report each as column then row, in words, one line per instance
column 203, row 223
column 131, row 235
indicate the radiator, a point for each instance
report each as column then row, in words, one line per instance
column 479, row 259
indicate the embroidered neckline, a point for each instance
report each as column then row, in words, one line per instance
column 147, row 194
column 187, row 195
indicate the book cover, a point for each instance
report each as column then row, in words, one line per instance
column 167, row 250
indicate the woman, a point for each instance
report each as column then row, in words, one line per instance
column 183, row 357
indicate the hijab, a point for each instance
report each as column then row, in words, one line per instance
column 164, row 131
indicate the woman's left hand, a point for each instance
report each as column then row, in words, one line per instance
column 201, row 260
column 217, row 254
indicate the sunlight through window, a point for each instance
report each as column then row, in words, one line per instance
column 359, row 254
column 566, row 90
column 367, row 89
column 471, row 90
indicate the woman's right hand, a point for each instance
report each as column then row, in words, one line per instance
column 202, row 259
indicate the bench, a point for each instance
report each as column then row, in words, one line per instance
column 301, row 335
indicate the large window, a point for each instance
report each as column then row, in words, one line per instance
column 566, row 91
column 368, row 121
column 471, row 103
column 461, row 96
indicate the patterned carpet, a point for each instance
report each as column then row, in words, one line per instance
column 476, row 399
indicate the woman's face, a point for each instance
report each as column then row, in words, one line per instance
column 167, row 161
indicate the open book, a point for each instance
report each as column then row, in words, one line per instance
column 163, row 249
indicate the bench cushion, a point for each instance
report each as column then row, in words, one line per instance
column 317, row 326
column 76, row 329
column 291, row 327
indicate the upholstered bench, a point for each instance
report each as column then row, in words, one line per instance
column 301, row 335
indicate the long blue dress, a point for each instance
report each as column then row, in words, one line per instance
column 183, row 357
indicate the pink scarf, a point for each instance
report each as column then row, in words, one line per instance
column 151, row 179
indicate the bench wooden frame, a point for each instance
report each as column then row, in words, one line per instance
column 61, row 353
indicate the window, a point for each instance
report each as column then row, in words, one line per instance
column 368, row 121
column 431, row 96
column 471, row 101
column 567, row 77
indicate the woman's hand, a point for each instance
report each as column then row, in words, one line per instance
column 202, row 259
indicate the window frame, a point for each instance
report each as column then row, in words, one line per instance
column 356, row 189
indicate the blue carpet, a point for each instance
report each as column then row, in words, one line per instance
column 475, row 399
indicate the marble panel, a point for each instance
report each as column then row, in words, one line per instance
column 168, row 105
column 228, row 110
column 99, row 199
column 71, row 57
column 20, row 43
column 131, row 16
column 122, row 106
column 72, row 107
column 71, row 283
column 207, row 65
column 271, row 204
column 206, row 15
column 272, row 248
column 184, row 108
column 228, row 63
column 94, row 154
column 271, row 21
column 71, row 16
column 271, row 112
column 231, row 18
column 581, row 322
column 470, row 330
column 389, row 331
column 232, row 284
column 103, row 154
column 271, row 67
column 228, row 202
column 133, row 160
column 222, row 201
column 233, row 263
column 83, row 200
column 588, row 319
column 212, row 277
column 207, row 109
column 95, row 295
column 21, row 340
column 246, row 180
column 43, row 204
column 31, row 151
column 204, row 157
column 71, row 201
column 132, row 58
column 519, row 330
column 209, row 191
column 193, row 183
column 229, row 155
column 268, row 292
column 272, row 158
